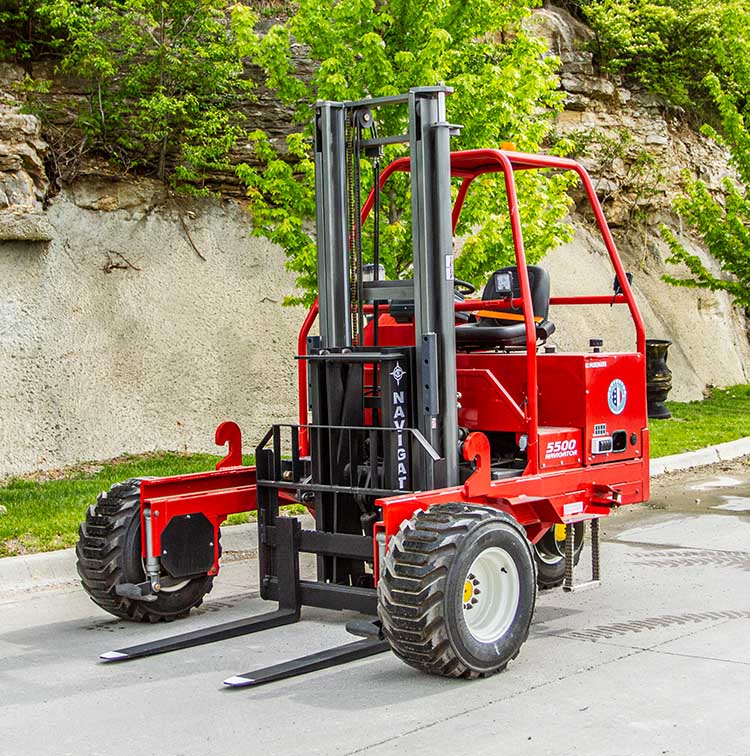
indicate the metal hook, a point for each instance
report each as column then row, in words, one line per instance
column 229, row 433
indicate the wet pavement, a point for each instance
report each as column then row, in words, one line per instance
column 708, row 508
column 656, row 661
column 723, row 487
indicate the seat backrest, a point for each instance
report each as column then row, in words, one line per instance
column 540, row 292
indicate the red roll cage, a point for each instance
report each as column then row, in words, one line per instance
column 468, row 165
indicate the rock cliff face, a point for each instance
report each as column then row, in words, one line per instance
column 635, row 145
column 142, row 325
column 23, row 179
column 636, row 149
column 130, row 320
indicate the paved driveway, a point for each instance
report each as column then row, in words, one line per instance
column 657, row 661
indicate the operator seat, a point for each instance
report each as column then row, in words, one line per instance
column 506, row 327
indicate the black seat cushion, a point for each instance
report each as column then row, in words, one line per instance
column 506, row 327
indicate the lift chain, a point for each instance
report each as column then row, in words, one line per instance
column 569, row 583
column 354, row 241
column 375, row 238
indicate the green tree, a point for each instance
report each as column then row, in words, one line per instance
column 671, row 45
column 722, row 222
column 505, row 89
column 25, row 32
column 166, row 78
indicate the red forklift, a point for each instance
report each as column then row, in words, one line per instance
column 449, row 453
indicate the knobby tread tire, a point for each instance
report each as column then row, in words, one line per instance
column 105, row 540
column 413, row 584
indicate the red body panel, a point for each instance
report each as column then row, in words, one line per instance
column 562, row 403
column 573, row 392
column 214, row 494
column 487, row 404
column 538, row 501
column 559, row 448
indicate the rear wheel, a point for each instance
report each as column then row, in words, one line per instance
column 457, row 591
column 549, row 554
column 109, row 554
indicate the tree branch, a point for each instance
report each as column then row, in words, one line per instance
column 189, row 238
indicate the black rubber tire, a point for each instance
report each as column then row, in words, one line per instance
column 420, row 591
column 109, row 554
column 551, row 574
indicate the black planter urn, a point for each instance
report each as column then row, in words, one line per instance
column 658, row 378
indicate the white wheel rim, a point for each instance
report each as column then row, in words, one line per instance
column 491, row 592
column 174, row 588
column 165, row 588
column 557, row 554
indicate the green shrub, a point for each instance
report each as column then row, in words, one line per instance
column 166, row 76
column 27, row 32
column 163, row 77
column 722, row 222
column 671, row 45
column 696, row 53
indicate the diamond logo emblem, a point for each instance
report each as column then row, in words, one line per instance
column 398, row 373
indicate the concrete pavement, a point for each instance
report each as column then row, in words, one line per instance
column 654, row 662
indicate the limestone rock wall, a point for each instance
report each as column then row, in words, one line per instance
column 141, row 325
column 132, row 321
column 636, row 149
column 23, row 178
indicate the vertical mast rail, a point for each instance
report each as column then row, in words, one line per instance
column 331, row 215
column 432, row 240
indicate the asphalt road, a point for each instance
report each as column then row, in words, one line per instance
column 656, row 661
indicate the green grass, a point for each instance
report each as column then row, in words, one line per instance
column 724, row 416
column 43, row 513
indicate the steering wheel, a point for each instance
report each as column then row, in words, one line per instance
column 464, row 288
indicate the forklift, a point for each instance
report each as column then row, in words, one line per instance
column 449, row 454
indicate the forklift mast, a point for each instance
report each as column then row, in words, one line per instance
column 429, row 374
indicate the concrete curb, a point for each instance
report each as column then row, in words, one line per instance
column 35, row 572
column 700, row 457
column 57, row 569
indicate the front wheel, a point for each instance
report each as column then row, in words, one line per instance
column 109, row 554
column 457, row 591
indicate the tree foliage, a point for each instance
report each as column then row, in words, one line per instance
column 696, row 53
column 505, row 89
column 26, row 32
column 164, row 80
column 670, row 46
column 723, row 222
